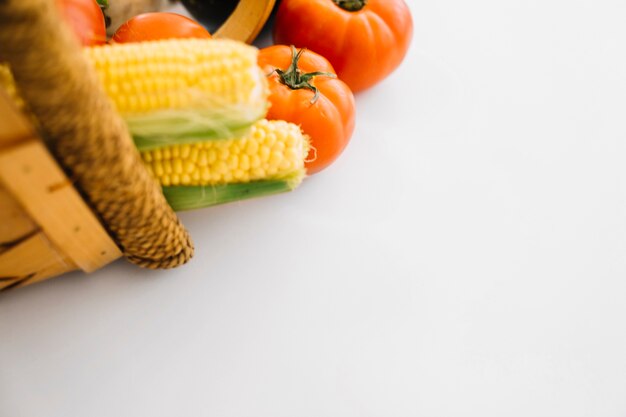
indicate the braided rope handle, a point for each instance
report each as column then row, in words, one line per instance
column 86, row 136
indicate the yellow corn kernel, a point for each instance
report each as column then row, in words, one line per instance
column 218, row 162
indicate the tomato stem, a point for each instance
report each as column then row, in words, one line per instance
column 351, row 5
column 295, row 79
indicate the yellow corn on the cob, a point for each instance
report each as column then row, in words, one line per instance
column 272, row 149
column 179, row 74
column 179, row 90
column 182, row 89
column 269, row 159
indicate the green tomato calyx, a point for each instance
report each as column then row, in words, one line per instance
column 351, row 5
column 295, row 79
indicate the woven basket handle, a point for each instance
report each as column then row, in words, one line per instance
column 86, row 136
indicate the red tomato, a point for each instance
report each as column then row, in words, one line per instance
column 158, row 26
column 311, row 97
column 365, row 40
column 86, row 20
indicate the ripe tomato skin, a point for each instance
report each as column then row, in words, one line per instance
column 364, row 46
column 86, row 20
column 329, row 121
column 158, row 26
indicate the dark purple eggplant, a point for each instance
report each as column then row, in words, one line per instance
column 211, row 13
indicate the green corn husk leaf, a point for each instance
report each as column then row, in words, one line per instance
column 182, row 198
column 176, row 127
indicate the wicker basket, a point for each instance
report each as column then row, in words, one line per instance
column 48, row 227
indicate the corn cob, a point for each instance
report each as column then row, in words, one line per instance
column 268, row 160
column 202, row 149
column 182, row 89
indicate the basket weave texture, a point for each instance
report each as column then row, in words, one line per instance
column 86, row 136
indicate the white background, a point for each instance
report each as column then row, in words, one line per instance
column 466, row 256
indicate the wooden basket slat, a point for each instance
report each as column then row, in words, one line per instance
column 30, row 261
column 35, row 179
column 46, row 228
column 15, row 223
